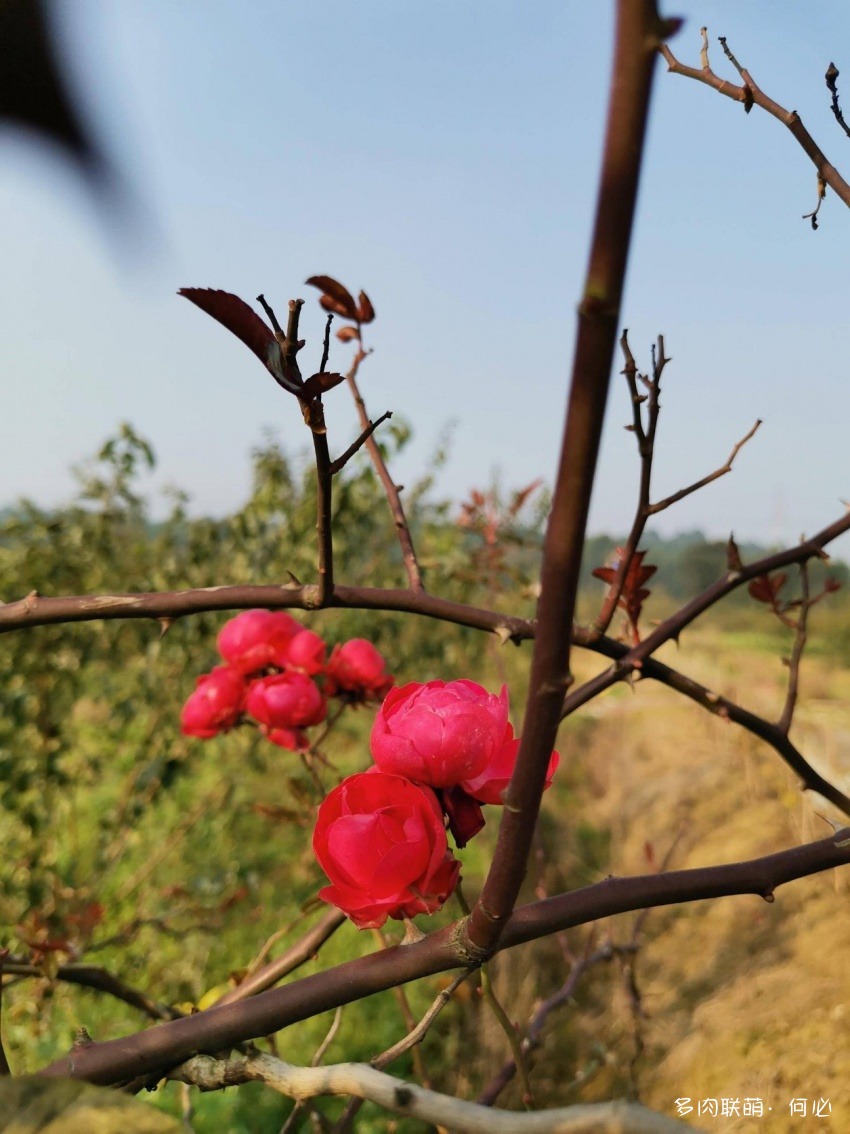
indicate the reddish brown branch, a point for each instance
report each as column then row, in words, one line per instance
column 342, row 461
column 639, row 31
column 36, row 610
column 750, row 93
column 534, row 1031
column 303, row 950
column 158, row 1049
column 697, row 485
column 721, row 706
column 672, row 627
column 787, row 715
column 91, row 976
column 646, row 450
column 391, row 489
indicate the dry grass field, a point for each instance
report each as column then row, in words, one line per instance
column 740, row 999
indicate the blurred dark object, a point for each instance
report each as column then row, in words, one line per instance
column 34, row 89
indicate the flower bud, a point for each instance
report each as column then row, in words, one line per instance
column 357, row 667
column 216, row 704
column 285, row 700
column 255, row 639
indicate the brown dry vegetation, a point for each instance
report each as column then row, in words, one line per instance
column 742, row 998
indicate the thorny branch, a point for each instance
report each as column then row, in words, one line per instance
column 749, row 93
column 158, row 1049
column 645, row 435
column 639, row 31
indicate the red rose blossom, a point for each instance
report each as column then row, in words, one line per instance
column 305, row 652
column 382, row 843
column 216, row 704
column 357, row 667
column 285, row 700
column 487, row 786
column 442, row 733
column 255, row 639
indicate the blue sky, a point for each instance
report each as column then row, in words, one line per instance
column 443, row 156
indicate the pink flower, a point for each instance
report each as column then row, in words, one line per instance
column 488, row 785
column 381, row 841
column 285, row 701
column 357, row 667
column 255, row 639
column 216, row 704
column 305, row 652
column 442, row 733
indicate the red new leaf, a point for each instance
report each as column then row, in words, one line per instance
column 765, row 588
column 235, row 314
column 366, row 312
column 336, row 298
column 633, row 593
column 346, row 334
column 317, row 384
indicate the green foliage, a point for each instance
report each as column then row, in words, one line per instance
column 166, row 859
column 170, row 861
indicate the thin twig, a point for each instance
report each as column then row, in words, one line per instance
column 509, row 1028
column 748, row 94
column 813, row 216
column 413, row 1038
column 391, row 489
column 303, row 950
column 654, row 509
column 94, row 977
column 212, row 802
column 343, row 460
column 326, row 345
column 534, row 1031
column 784, row 722
column 646, row 450
column 409, row 1019
column 831, row 78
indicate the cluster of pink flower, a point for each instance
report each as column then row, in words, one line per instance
column 278, row 673
column 441, row 750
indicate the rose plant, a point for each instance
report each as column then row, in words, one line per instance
column 216, row 705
